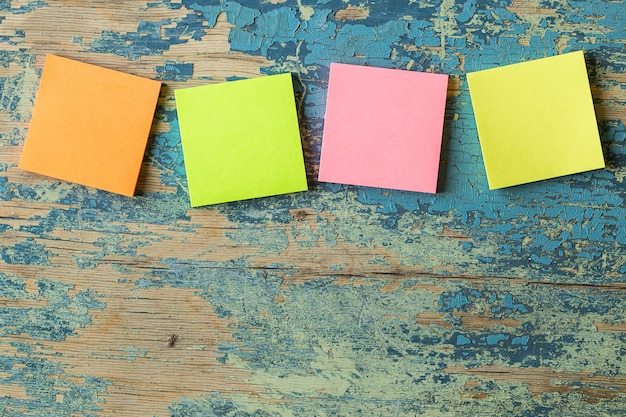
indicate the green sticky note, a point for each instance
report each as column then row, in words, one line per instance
column 241, row 140
column 536, row 120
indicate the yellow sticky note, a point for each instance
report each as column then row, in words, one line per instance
column 241, row 140
column 536, row 120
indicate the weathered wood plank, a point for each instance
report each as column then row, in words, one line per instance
column 339, row 301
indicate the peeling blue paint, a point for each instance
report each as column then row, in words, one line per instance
column 569, row 230
column 520, row 340
column 215, row 405
column 146, row 41
column 493, row 339
column 511, row 306
column 24, row 8
column 456, row 301
column 56, row 319
column 25, row 252
column 462, row 340
column 43, row 380
column 174, row 71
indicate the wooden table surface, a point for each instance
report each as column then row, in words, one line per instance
column 340, row 301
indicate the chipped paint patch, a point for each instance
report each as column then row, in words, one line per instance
column 342, row 300
column 352, row 13
column 306, row 12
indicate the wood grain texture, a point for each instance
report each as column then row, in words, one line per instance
column 339, row 301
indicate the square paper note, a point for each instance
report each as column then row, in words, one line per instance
column 536, row 120
column 90, row 125
column 241, row 140
column 383, row 128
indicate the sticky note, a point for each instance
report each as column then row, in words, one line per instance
column 241, row 140
column 90, row 125
column 536, row 120
column 383, row 128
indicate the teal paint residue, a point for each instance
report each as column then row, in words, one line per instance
column 84, row 262
column 208, row 12
column 239, row 15
column 45, row 382
column 190, row 26
column 165, row 152
column 133, row 353
column 13, row 287
column 462, row 340
column 25, row 252
column 456, row 301
column 461, row 301
column 215, row 405
column 146, row 41
column 280, row 23
column 30, row 6
column 174, row 71
column 58, row 316
column 493, row 339
column 520, row 340
column 320, row 327
column 469, row 8
column 508, row 303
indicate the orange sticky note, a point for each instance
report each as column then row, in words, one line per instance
column 90, row 125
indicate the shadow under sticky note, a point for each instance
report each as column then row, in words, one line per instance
column 90, row 125
column 241, row 140
column 383, row 128
column 536, row 120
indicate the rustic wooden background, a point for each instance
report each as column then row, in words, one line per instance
column 339, row 301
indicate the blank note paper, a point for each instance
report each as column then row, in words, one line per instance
column 383, row 128
column 241, row 140
column 90, row 125
column 536, row 120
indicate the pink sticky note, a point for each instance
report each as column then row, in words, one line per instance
column 383, row 128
